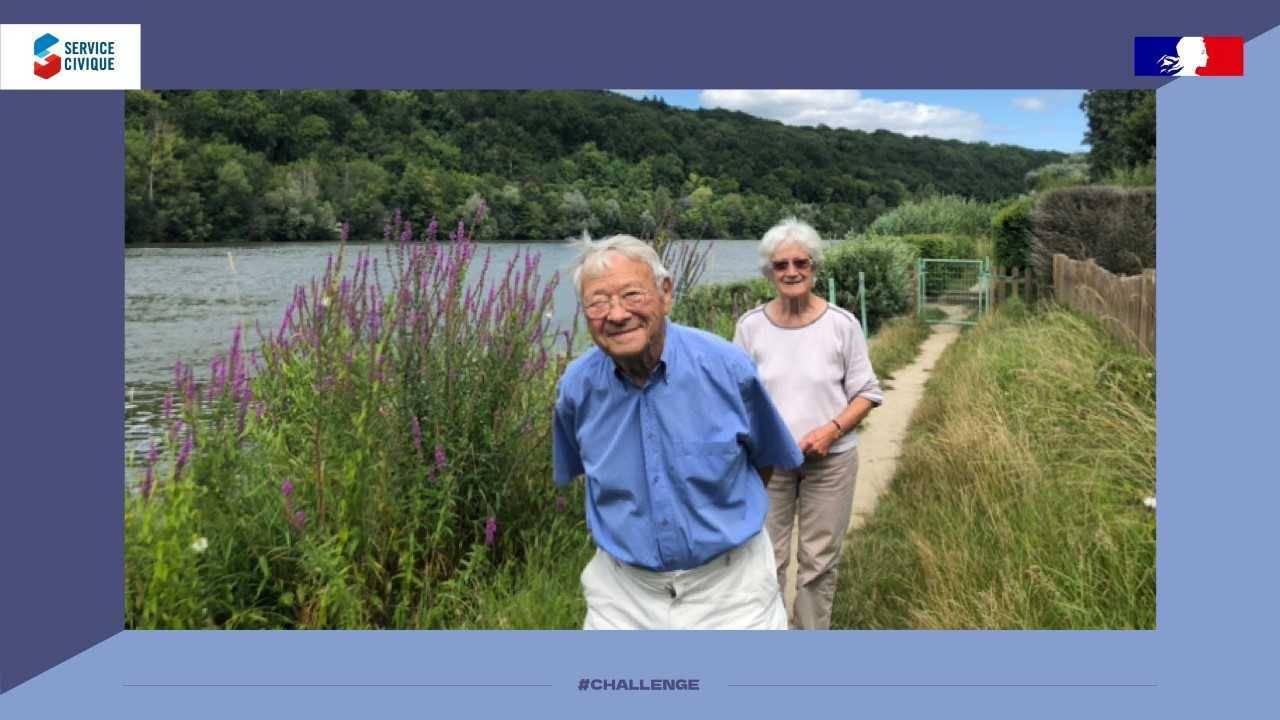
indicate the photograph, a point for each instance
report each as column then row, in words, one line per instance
column 548, row 359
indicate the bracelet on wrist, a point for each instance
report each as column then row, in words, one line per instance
column 833, row 422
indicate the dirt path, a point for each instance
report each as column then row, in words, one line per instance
column 880, row 445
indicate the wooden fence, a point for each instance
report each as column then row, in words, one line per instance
column 1125, row 304
column 1012, row 282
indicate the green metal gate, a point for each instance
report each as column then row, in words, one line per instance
column 958, row 290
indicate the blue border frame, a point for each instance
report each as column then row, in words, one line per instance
column 60, row 520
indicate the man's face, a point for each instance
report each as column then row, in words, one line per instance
column 633, row 327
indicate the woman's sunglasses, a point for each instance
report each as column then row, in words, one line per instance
column 798, row 263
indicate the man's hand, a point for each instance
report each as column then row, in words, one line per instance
column 817, row 441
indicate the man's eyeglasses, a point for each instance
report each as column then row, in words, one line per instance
column 797, row 263
column 632, row 300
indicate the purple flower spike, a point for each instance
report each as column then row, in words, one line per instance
column 286, row 487
column 184, row 454
column 167, row 410
column 490, row 531
column 299, row 520
column 441, row 459
column 417, row 434
column 148, row 482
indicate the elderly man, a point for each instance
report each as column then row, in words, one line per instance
column 674, row 432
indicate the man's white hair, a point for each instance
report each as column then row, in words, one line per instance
column 789, row 232
column 593, row 257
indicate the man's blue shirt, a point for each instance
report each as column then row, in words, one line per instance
column 671, row 467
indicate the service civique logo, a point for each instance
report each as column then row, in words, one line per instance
column 77, row 56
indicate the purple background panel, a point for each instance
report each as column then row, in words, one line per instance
column 62, row 492
column 656, row 44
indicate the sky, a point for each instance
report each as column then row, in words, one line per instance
column 1038, row 119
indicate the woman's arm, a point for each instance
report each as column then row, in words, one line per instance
column 820, row 439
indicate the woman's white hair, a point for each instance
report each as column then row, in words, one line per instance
column 593, row 257
column 789, row 232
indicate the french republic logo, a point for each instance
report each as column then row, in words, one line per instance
column 47, row 63
column 1189, row 56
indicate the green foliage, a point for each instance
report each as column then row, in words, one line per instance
column 1012, row 230
column 295, row 208
column 937, row 245
column 887, row 264
column 374, row 463
column 1072, row 171
column 1134, row 176
column 1115, row 226
column 945, row 214
column 1122, row 129
column 1018, row 501
column 717, row 307
column 547, row 164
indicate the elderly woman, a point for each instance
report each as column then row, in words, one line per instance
column 812, row 358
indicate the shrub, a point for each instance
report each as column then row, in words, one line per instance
column 1135, row 176
column 948, row 214
column 716, row 308
column 938, row 245
column 887, row 263
column 1066, row 173
column 377, row 454
column 1012, row 230
column 1114, row 226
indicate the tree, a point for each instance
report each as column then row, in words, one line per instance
column 295, row 208
column 201, row 165
column 312, row 134
column 1122, row 129
column 696, row 221
column 575, row 209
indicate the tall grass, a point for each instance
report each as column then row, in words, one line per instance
column 378, row 461
column 946, row 214
column 1018, row 500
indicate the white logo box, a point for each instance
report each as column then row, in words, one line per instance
column 17, row 57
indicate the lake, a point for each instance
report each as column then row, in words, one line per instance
column 184, row 302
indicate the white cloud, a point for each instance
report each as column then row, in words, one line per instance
column 849, row 109
column 1031, row 104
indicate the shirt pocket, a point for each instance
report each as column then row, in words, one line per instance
column 707, row 465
